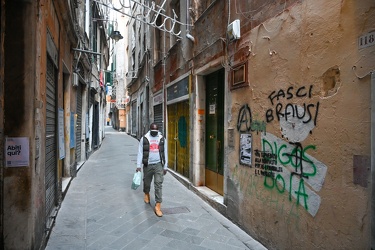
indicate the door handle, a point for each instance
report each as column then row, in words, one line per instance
column 212, row 136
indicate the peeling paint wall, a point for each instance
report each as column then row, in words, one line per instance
column 18, row 82
column 309, row 103
column 24, row 68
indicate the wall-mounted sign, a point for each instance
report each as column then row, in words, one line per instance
column 17, row 151
column 61, row 134
column 212, row 109
column 366, row 40
column 178, row 90
column 230, row 137
column 158, row 99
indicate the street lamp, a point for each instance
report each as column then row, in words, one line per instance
column 116, row 35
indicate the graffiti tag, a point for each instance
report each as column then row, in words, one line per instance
column 309, row 112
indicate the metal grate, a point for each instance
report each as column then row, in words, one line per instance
column 175, row 210
column 158, row 117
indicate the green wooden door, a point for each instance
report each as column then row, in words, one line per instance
column 215, row 131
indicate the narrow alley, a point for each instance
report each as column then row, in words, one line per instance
column 101, row 211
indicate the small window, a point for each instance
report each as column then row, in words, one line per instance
column 239, row 76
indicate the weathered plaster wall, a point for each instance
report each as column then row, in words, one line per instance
column 303, row 60
column 19, row 79
column 24, row 107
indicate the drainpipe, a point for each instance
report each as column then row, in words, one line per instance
column 164, row 93
column 373, row 160
column 188, row 36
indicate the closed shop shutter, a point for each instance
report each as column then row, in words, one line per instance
column 51, row 141
column 95, row 125
column 158, row 117
column 134, row 118
column 79, row 122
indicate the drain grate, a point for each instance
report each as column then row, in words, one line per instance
column 175, row 210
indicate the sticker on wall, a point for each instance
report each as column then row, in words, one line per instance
column 17, row 151
column 245, row 149
column 212, row 109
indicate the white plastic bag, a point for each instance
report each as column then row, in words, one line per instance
column 137, row 178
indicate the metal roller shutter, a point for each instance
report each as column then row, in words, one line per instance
column 79, row 122
column 134, row 118
column 158, row 117
column 51, row 141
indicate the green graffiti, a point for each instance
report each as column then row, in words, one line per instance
column 284, row 155
column 293, row 214
column 235, row 171
column 298, row 159
column 281, row 179
column 269, row 198
column 241, row 175
column 296, row 153
column 266, row 184
column 306, row 159
column 252, row 187
column 271, row 182
column 258, row 126
column 301, row 191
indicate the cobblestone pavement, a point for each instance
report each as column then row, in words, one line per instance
column 101, row 211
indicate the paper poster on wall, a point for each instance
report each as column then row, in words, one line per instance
column 245, row 149
column 212, row 109
column 17, row 151
column 61, row 134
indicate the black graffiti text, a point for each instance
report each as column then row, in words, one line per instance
column 289, row 93
column 310, row 112
column 265, row 164
column 245, row 121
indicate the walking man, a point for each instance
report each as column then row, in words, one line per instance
column 152, row 153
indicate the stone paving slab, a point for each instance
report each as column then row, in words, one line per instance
column 101, row 212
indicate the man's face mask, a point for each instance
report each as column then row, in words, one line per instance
column 154, row 132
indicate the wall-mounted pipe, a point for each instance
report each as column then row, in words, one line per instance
column 373, row 159
column 190, row 37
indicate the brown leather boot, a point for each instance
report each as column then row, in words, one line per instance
column 157, row 209
column 147, row 198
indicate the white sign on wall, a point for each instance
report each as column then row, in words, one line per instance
column 212, row 109
column 158, row 99
column 61, row 134
column 17, row 151
column 366, row 40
